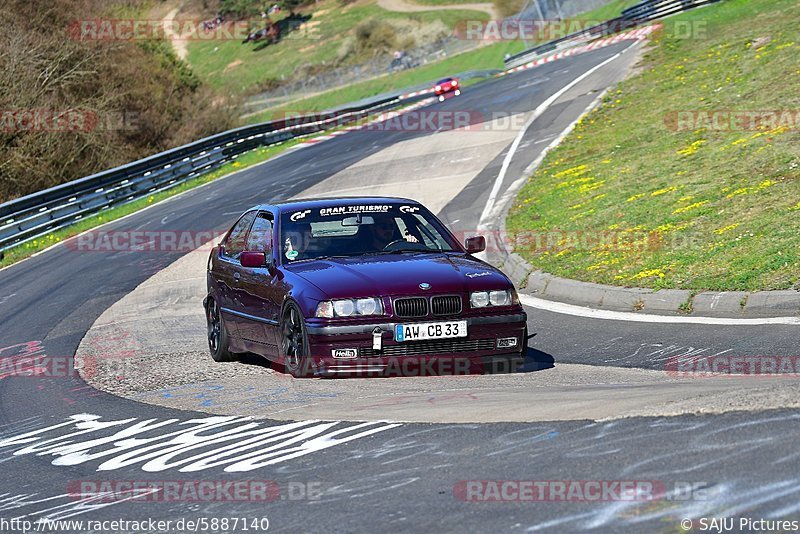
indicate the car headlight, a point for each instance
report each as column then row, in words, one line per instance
column 367, row 306
column 500, row 297
column 455, row 82
column 438, row 88
column 325, row 309
column 479, row 299
column 349, row 307
column 343, row 308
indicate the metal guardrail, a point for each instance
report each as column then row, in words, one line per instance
column 38, row 214
column 633, row 16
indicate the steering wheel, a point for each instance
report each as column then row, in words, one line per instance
column 406, row 245
column 392, row 243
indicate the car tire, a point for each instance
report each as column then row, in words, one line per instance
column 294, row 342
column 217, row 334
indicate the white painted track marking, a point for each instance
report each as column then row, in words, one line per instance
column 487, row 210
column 609, row 315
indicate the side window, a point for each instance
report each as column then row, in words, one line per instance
column 234, row 244
column 260, row 237
column 429, row 235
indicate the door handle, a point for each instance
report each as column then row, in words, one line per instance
column 236, row 277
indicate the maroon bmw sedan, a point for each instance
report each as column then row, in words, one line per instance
column 359, row 285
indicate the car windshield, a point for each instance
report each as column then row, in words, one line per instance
column 444, row 80
column 362, row 229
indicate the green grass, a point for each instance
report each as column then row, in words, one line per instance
column 447, row 2
column 235, row 68
column 697, row 208
column 485, row 57
column 248, row 159
column 609, row 11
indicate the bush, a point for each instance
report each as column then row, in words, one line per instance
column 377, row 37
column 254, row 8
column 143, row 98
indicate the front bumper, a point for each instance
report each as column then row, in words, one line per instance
column 478, row 352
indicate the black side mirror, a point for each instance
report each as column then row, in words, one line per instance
column 475, row 244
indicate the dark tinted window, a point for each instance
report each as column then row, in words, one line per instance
column 234, row 245
column 353, row 229
column 260, row 237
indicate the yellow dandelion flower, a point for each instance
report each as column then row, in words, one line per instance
column 690, row 207
column 648, row 273
column 664, row 191
column 720, row 231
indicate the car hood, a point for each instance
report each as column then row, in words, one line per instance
column 400, row 274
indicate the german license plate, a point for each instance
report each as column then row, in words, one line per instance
column 421, row 331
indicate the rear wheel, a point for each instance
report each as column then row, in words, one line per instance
column 294, row 343
column 217, row 334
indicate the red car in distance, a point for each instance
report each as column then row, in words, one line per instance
column 445, row 87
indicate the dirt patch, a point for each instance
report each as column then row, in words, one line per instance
column 403, row 6
column 232, row 65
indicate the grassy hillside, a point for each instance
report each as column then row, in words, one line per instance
column 336, row 34
column 136, row 97
column 486, row 57
column 708, row 208
column 611, row 10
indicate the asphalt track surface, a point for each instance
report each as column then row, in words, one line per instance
column 399, row 477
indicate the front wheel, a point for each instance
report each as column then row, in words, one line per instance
column 217, row 334
column 294, row 343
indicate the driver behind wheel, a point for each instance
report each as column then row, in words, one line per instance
column 385, row 231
